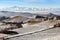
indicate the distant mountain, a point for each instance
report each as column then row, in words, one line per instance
column 12, row 14
column 26, row 14
column 52, row 15
column 48, row 15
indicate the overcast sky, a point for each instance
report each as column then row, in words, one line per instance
column 29, row 3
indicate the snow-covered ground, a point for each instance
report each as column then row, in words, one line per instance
column 51, row 34
column 36, row 31
column 33, row 28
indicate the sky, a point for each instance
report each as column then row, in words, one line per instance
column 30, row 3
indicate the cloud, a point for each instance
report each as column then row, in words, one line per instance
column 56, row 0
column 41, row 0
column 35, row 0
column 2, row 7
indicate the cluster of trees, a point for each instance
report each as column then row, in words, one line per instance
column 3, row 18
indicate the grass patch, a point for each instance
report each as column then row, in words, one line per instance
column 34, row 21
